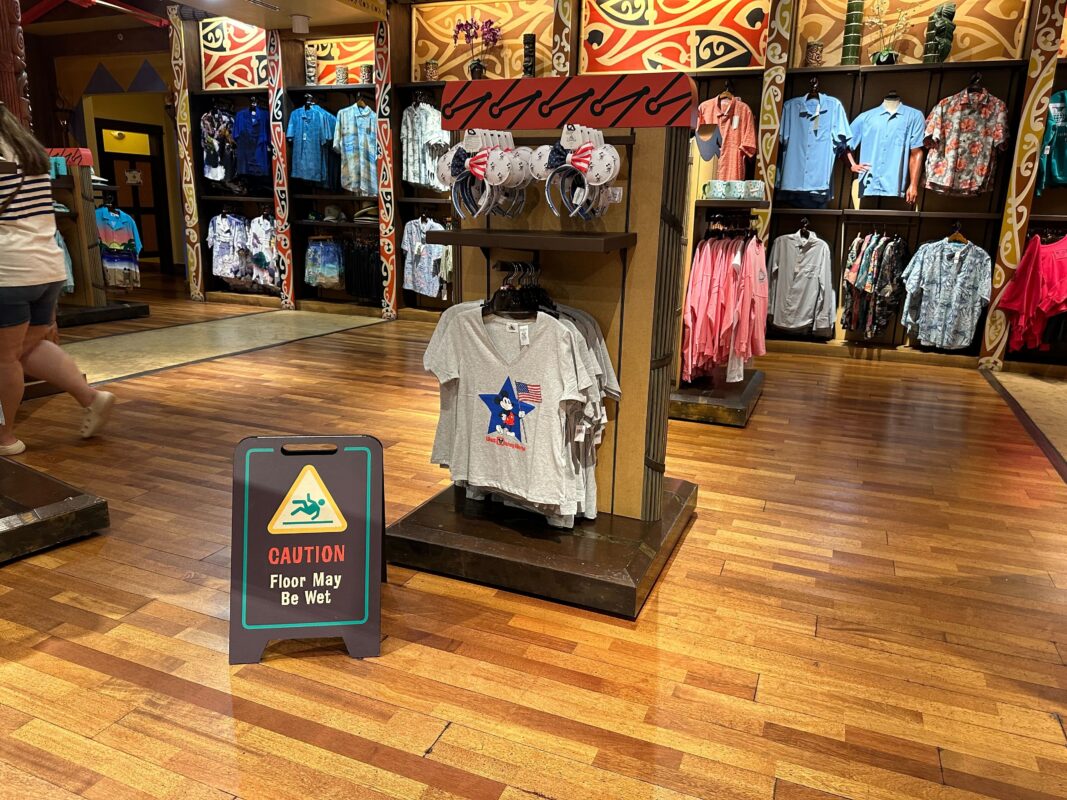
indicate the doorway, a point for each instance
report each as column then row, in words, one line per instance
column 131, row 154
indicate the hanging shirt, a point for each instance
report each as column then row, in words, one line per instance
column 311, row 131
column 1052, row 162
column 884, row 138
column 964, row 132
column 216, row 138
column 1036, row 292
column 813, row 133
column 251, row 130
column 948, row 284
column 519, row 383
column 802, row 293
column 263, row 251
column 120, row 245
column 737, row 131
column 355, row 138
column 227, row 236
column 421, row 272
column 422, row 142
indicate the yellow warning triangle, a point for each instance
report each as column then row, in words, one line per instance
column 308, row 507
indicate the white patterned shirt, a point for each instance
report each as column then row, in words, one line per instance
column 422, row 142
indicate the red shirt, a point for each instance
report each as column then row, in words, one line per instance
column 1037, row 291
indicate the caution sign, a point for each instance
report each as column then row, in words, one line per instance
column 308, row 507
column 325, row 581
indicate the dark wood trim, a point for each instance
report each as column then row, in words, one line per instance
column 535, row 240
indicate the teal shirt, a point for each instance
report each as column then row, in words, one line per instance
column 1052, row 164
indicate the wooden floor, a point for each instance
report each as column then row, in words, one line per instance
column 869, row 606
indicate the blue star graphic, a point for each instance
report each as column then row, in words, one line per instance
column 506, row 411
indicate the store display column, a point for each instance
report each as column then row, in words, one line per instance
column 622, row 269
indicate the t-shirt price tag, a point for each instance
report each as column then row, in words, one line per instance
column 524, row 335
column 735, row 122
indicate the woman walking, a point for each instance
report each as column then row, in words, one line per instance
column 32, row 274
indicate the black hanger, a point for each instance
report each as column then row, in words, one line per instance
column 253, row 102
column 805, row 231
column 109, row 201
column 975, row 84
column 813, row 91
column 957, row 233
column 360, row 101
column 728, row 90
column 309, row 101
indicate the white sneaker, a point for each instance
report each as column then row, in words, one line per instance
column 97, row 414
column 12, row 449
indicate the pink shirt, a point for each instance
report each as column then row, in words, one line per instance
column 738, row 130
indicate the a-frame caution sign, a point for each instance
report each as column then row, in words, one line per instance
column 308, row 507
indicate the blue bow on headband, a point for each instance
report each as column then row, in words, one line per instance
column 459, row 162
column 557, row 157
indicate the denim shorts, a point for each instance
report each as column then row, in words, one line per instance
column 33, row 304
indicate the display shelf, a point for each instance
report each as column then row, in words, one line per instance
column 105, row 187
column 727, row 72
column 332, row 87
column 888, row 212
column 623, row 140
column 419, row 201
column 346, row 196
column 420, row 85
column 66, row 214
column 63, row 182
column 315, row 223
column 224, row 92
column 720, row 403
column 948, row 66
column 1048, row 217
column 835, row 70
column 810, row 212
column 733, row 204
column 238, row 198
column 609, row 564
column 535, row 240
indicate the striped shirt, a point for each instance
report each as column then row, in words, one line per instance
column 29, row 254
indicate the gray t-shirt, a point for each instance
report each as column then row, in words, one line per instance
column 519, row 384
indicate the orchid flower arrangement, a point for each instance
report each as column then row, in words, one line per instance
column 487, row 31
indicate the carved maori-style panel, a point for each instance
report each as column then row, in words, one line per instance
column 280, row 165
column 383, row 84
column 233, row 55
column 352, row 52
column 193, row 262
column 771, row 101
column 1048, row 17
column 431, row 37
column 561, row 37
column 681, row 35
column 601, row 101
column 984, row 30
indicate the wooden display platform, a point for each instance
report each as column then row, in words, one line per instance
column 609, row 564
column 37, row 511
column 71, row 316
column 721, row 403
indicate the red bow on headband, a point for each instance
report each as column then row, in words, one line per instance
column 477, row 163
column 581, row 158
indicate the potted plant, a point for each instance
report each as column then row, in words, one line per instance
column 487, row 32
column 888, row 36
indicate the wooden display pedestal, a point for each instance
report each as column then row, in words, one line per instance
column 71, row 316
column 37, row 511
column 609, row 564
column 720, row 403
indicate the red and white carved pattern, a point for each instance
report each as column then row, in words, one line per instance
column 185, row 155
column 386, row 201
column 280, row 165
column 233, row 55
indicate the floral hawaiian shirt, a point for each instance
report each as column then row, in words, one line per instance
column 948, row 285
column 964, row 133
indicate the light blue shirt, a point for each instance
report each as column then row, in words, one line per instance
column 813, row 134
column 356, row 139
column 311, row 130
column 885, row 139
column 948, row 285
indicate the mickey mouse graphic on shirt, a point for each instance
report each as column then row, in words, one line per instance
column 506, row 412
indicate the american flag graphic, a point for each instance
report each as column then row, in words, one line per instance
column 530, row 392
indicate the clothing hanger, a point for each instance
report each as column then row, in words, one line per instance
column 253, row 103
column 813, row 91
column 309, row 101
column 975, row 84
column 957, row 235
column 805, row 232
column 728, row 91
column 360, row 101
column 892, row 95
